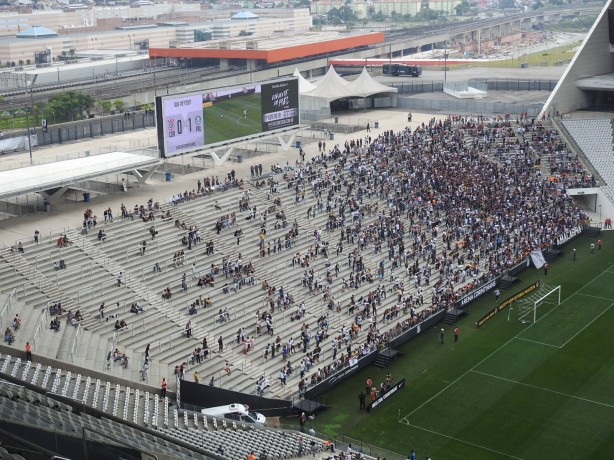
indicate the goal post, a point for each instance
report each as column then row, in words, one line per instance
column 527, row 311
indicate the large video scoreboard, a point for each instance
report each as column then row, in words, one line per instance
column 191, row 121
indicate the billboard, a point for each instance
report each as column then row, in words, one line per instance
column 279, row 105
column 192, row 121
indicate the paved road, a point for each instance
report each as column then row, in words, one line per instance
column 532, row 73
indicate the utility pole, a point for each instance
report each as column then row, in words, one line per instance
column 25, row 75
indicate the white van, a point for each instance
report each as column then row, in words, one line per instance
column 239, row 412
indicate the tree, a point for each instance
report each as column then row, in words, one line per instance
column 507, row 4
column 462, row 8
column 119, row 105
column 428, row 14
column 379, row 16
column 106, row 106
column 319, row 20
column 37, row 113
column 343, row 14
column 70, row 105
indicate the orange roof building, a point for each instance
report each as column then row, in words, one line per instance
column 273, row 51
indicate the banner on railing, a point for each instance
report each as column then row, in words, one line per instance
column 538, row 258
column 384, row 396
column 568, row 235
column 507, row 302
column 478, row 292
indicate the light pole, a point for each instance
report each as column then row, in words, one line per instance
column 32, row 109
column 445, row 65
column 599, row 214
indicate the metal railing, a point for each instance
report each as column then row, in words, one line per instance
column 341, row 443
column 7, row 305
column 75, row 343
column 79, row 268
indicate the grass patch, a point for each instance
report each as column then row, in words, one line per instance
column 506, row 390
column 552, row 57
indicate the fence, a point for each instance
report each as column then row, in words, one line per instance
column 430, row 105
column 420, row 86
column 93, row 127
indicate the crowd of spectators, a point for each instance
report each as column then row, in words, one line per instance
column 457, row 212
column 452, row 203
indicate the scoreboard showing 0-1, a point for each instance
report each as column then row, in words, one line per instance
column 183, row 120
column 191, row 121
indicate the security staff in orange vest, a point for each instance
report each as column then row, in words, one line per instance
column 28, row 351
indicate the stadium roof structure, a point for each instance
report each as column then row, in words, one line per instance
column 43, row 177
column 589, row 79
column 37, row 32
column 272, row 50
column 597, row 83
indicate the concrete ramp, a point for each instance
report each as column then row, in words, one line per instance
column 466, row 90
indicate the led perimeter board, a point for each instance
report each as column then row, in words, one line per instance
column 191, row 121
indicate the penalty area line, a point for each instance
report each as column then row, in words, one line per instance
column 591, row 322
column 595, row 296
column 539, row 343
column 463, row 441
column 487, row 357
column 516, row 382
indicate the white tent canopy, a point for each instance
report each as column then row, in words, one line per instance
column 362, row 93
column 365, row 86
column 331, row 87
column 304, row 86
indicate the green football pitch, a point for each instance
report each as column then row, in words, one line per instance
column 225, row 120
column 509, row 389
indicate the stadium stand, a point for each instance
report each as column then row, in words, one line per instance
column 596, row 139
column 295, row 272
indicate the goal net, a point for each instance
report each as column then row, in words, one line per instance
column 543, row 300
